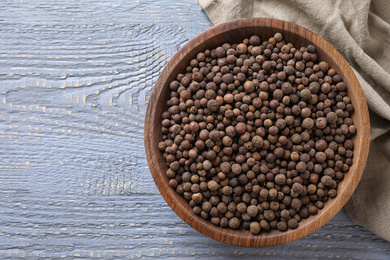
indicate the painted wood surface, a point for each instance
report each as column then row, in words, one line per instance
column 75, row 79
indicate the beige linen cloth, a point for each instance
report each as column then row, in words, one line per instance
column 360, row 31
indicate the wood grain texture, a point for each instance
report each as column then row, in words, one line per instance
column 75, row 79
column 235, row 32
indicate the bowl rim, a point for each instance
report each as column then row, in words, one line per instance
column 236, row 237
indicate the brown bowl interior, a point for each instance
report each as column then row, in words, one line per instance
column 234, row 32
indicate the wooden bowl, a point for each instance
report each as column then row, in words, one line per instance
column 234, row 32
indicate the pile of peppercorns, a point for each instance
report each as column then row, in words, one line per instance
column 257, row 134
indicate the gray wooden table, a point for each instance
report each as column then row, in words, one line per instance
column 75, row 78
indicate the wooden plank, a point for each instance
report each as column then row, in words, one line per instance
column 75, row 78
column 143, row 225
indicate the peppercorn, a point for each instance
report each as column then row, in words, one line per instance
column 255, row 227
column 313, row 210
column 320, row 157
column 249, row 86
column 241, row 207
column 222, row 208
column 234, row 223
column 321, row 145
column 240, row 128
column 296, row 203
column 308, row 123
column 321, row 122
column 305, row 94
column 197, row 197
column 213, row 185
column 292, row 223
column 269, row 215
column 252, row 210
column 297, row 187
column 250, row 129
column 311, row 189
column 282, row 226
column 301, row 167
column 304, row 212
column 236, row 168
column 242, row 48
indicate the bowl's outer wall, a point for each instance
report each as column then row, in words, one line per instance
column 234, row 32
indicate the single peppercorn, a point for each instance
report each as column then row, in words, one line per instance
column 249, row 86
column 321, row 145
column 321, row 122
column 255, row 227
column 308, row 123
column 252, row 210
column 234, row 223
column 197, row 197
column 213, row 185
column 240, row 128
column 282, row 226
column 305, row 94
column 242, row 48
column 292, row 223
